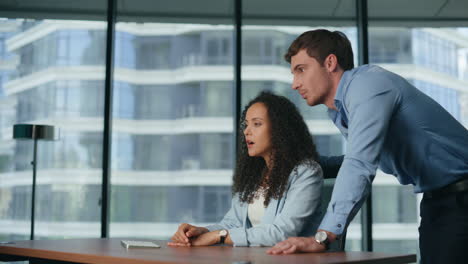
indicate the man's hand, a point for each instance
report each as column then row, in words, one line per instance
column 296, row 245
column 185, row 233
column 300, row 244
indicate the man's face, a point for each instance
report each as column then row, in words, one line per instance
column 311, row 80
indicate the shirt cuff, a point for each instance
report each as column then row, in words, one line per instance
column 214, row 227
column 333, row 222
column 238, row 237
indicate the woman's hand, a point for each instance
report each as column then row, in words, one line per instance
column 185, row 234
column 207, row 239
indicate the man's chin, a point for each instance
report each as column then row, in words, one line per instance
column 311, row 102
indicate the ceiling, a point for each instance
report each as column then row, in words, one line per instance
column 272, row 12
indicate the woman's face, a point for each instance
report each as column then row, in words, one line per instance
column 257, row 131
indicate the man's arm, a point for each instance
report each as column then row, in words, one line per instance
column 370, row 103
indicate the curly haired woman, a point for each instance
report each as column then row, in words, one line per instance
column 277, row 181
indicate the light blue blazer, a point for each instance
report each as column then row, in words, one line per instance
column 296, row 213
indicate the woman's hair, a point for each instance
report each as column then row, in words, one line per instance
column 291, row 144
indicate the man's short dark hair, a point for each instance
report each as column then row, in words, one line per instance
column 320, row 43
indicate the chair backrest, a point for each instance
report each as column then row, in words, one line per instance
column 326, row 197
column 331, row 166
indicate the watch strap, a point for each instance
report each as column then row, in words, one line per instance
column 326, row 243
column 222, row 236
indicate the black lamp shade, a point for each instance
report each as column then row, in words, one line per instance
column 30, row 131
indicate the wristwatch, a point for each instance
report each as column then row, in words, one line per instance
column 322, row 238
column 222, row 235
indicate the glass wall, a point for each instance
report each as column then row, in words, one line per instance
column 435, row 61
column 266, row 35
column 52, row 72
column 172, row 141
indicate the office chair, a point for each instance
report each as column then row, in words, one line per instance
column 330, row 167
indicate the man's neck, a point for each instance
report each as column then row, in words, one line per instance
column 335, row 82
column 330, row 102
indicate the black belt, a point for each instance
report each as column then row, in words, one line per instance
column 459, row 186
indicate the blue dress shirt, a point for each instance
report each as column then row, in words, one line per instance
column 392, row 125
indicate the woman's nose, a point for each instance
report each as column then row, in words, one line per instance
column 246, row 131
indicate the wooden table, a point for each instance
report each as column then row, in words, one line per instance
column 110, row 251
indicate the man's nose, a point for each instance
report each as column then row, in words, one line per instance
column 295, row 84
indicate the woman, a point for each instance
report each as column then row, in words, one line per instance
column 277, row 181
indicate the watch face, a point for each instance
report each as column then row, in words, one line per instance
column 223, row 233
column 321, row 236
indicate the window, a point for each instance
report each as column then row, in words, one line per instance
column 173, row 146
column 428, row 58
column 52, row 79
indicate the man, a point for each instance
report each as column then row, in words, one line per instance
column 390, row 124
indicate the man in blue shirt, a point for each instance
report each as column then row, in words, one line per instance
column 391, row 125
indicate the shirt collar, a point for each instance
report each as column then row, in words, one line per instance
column 340, row 91
column 342, row 87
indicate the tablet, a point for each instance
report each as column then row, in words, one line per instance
column 138, row 244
